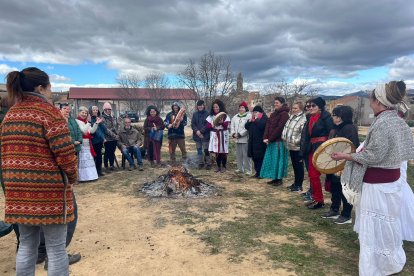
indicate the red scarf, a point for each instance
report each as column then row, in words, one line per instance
column 87, row 136
column 312, row 121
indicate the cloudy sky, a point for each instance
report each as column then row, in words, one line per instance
column 337, row 46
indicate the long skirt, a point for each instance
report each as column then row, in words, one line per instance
column 384, row 218
column 275, row 163
column 87, row 169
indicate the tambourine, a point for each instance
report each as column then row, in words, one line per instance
column 178, row 118
column 219, row 117
column 322, row 160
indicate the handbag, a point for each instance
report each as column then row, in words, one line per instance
column 156, row 135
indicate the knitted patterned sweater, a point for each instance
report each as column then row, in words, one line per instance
column 38, row 163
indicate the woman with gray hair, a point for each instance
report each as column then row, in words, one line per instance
column 87, row 170
column 372, row 182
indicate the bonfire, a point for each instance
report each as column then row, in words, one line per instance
column 178, row 182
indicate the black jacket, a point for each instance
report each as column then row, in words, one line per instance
column 348, row 131
column 198, row 122
column 255, row 147
column 320, row 129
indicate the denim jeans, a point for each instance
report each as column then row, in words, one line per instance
column 55, row 236
column 70, row 231
column 203, row 145
column 135, row 151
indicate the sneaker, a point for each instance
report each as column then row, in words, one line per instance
column 112, row 168
column 131, row 168
column 316, row 205
column 309, row 202
column 218, row 170
column 331, row 214
column 140, row 168
column 291, row 186
column 223, row 170
column 238, row 171
column 208, row 167
column 74, row 258
column 248, row 173
column 343, row 220
column 41, row 258
column 296, row 189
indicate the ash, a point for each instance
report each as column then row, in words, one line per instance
column 178, row 183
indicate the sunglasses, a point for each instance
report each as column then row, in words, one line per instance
column 107, row 109
column 311, row 105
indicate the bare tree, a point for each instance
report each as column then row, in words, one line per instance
column 156, row 83
column 130, row 84
column 210, row 78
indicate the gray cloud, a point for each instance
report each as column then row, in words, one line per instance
column 265, row 39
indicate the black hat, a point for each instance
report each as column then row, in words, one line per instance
column 344, row 112
column 200, row 102
column 319, row 102
column 258, row 108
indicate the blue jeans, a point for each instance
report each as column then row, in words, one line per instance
column 70, row 230
column 135, row 151
column 55, row 236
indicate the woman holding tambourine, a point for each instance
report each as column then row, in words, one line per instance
column 219, row 123
column 343, row 127
column 317, row 130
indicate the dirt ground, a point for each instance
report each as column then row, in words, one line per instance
column 118, row 233
column 123, row 232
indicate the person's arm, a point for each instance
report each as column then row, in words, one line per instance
column 58, row 136
column 243, row 131
column 93, row 128
column 276, row 131
column 184, row 121
column 233, row 126
column 193, row 123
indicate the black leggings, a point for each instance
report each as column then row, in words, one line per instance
column 221, row 159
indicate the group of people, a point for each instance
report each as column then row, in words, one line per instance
column 44, row 152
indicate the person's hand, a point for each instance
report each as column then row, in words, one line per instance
column 233, row 135
column 266, row 141
column 340, row 156
column 170, row 126
column 238, row 135
column 76, row 143
column 198, row 133
column 99, row 120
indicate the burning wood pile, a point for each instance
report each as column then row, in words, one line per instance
column 178, row 182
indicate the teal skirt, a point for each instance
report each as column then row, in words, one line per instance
column 275, row 162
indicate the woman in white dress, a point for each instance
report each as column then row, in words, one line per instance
column 374, row 180
column 87, row 168
column 219, row 135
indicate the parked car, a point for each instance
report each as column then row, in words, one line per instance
column 130, row 114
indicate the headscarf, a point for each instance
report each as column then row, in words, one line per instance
column 380, row 93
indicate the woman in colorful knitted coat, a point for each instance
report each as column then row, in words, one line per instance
column 275, row 162
column 87, row 168
column 39, row 168
column 219, row 135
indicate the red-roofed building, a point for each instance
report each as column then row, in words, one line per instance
column 120, row 98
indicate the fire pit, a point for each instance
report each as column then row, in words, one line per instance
column 178, row 182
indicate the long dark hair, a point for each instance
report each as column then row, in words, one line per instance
column 24, row 81
column 221, row 106
column 147, row 112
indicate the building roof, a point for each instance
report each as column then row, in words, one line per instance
column 118, row 93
